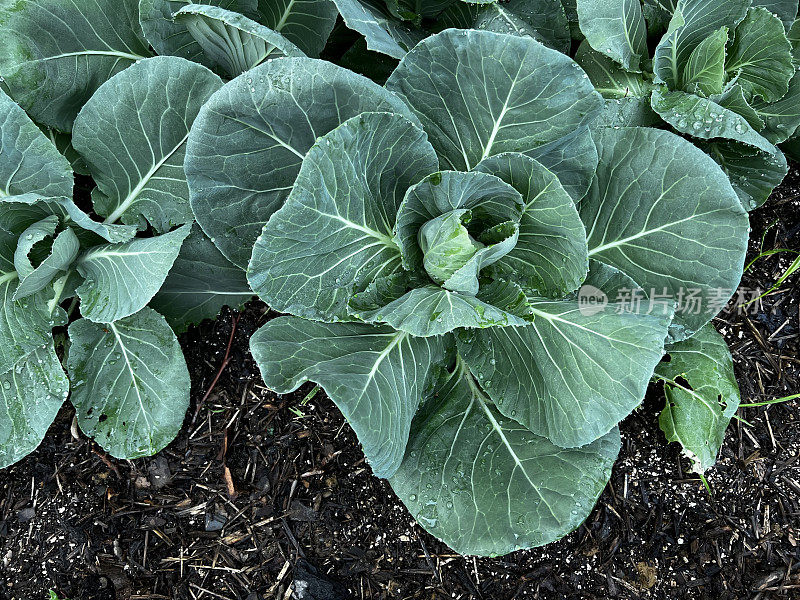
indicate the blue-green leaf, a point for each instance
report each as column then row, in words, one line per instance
column 122, row 278
column 574, row 372
column 550, row 258
column 54, row 54
column 760, row 56
column 486, row 485
column 377, row 376
column 199, row 284
column 615, row 28
column 692, row 22
column 130, row 384
column 664, row 213
column 31, row 393
column 246, row 146
column 136, row 156
column 478, row 93
column 702, row 395
column 231, row 42
column 705, row 119
column 334, row 234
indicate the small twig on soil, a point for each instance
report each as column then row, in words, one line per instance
column 107, row 461
column 226, row 359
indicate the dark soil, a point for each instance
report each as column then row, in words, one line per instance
column 264, row 497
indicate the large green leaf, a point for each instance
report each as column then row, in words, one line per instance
column 485, row 485
column 170, row 37
column 54, row 54
column 692, row 22
column 130, row 384
column 573, row 373
column 122, row 278
column 702, row 395
column 334, row 234
column 384, row 32
column 753, row 174
column 30, row 396
column 31, row 163
column 375, row 375
column 246, row 146
column 615, row 28
column 704, row 72
column 760, row 56
column 550, row 258
column 305, row 23
column 133, row 134
column 231, row 42
column 199, row 284
column 705, row 119
column 663, row 212
column 543, row 20
column 608, row 78
column 479, row 93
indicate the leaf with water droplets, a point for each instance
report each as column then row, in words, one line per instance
column 136, row 157
column 31, row 393
column 130, row 383
column 705, row 119
column 375, row 375
column 485, row 485
column 120, row 279
column 753, row 173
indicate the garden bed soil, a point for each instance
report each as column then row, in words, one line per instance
column 267, row 497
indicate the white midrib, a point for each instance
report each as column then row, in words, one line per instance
column 285, row 16
column 133, row 375
column 641, row 234
column 131, row 198
column 499, row 120
column 402, row 335
column 126, row 55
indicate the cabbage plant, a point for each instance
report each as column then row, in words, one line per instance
column 432, row 244
column 97, row 284
column 722, row 74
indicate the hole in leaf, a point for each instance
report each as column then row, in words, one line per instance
column 681, row 381
column 103, row 418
